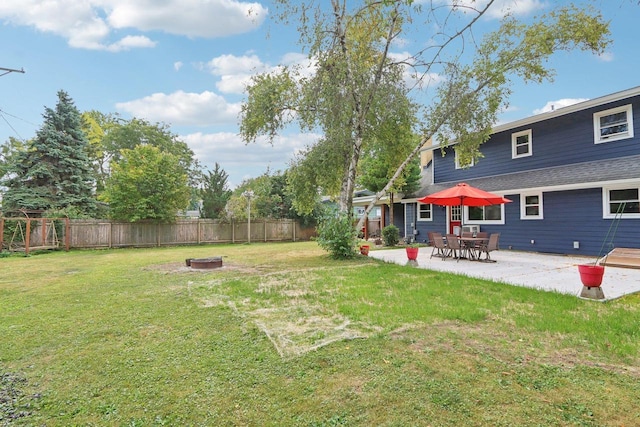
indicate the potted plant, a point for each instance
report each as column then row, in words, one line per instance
column 412, row 251
column 591, row 274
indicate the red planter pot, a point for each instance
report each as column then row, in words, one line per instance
column 591, row 275
column 364, row 250
column 412, row 253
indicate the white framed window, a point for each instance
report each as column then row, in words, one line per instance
column 521, row 145
column 625, row 200
column 492, row 214
column 425, row 212
column 459, row 166
column 613, row 125
column 531, row 206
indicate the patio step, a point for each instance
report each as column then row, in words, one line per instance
column 623, row 257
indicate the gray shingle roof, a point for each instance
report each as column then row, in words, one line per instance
column 579, row 174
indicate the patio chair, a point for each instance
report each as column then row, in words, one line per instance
column 454, row 246
column 490, row 246
column 481, row 235
column 439, row 248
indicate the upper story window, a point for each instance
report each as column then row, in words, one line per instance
column 613, row 124
column 460, row 165
column 425, row 212
column 521, row 144
column 531, row 206
column 623, row 200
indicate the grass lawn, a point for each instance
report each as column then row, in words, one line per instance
column 283, row 335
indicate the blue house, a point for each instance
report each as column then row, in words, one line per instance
column 567, row 173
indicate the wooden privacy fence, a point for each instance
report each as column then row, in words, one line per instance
column 111, row 234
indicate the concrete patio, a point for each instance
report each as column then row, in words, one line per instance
column 534, row 270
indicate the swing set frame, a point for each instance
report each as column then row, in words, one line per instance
column 48, row 235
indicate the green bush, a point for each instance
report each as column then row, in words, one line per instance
column 337, row 235
column 390, row 235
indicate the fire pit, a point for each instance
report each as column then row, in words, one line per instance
column 204, row 263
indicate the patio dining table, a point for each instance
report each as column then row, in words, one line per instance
column 472, row 246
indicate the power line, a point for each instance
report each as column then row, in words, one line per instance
column 9, row 124
column 16, row 117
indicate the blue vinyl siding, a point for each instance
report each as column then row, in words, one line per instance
column 439, row 223
column 568, row 216
column 558, row 141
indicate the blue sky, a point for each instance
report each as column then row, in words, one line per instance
column 185, row 63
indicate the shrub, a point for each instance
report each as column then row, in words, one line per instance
column 338, row 236
column 390, row 235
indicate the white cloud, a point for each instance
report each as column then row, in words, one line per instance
column 87, row 24
column 193, row 18
column 129, row 42
column 177, row 65
column 183, row 108
column 554, row 105
column 242, row 160
column 235, row 72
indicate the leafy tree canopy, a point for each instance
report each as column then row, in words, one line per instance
column 109, row 135
column 146, row 184
column 270, row 198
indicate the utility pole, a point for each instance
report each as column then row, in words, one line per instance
column 10, row 70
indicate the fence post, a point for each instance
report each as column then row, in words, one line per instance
column 67, row 234
column 28, row 238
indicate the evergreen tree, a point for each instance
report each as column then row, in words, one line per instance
column 215, row 193
column 54, row 172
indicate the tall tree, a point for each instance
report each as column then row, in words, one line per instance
column 355, row 87
column 109, row 134
column 355, row 71
column 130, row 134
column 54, row 172
column 97, row 126
column 146, row 184
column 215, row 193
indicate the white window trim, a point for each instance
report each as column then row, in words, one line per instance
column 523, row 206
column 605, row 201
column 420, row 219
column 514, row 139
column 596, row 124
column 468, row 221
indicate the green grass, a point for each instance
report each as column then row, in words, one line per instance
column 283, row 335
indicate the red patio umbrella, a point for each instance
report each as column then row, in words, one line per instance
column 464, row 195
